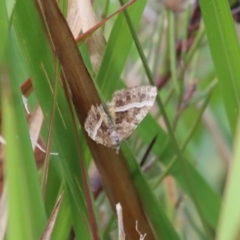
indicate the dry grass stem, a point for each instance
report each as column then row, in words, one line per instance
column 121, row 233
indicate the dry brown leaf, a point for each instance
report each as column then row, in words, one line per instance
column 73, row 18
column 35, row 125
column 81, row 16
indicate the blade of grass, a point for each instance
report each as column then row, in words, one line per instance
column 224, row 47
column 189, row 136
column 3, row 29
column 228, row 227
column 40, row 64
column 160, row 27
column 151, row 206
column 84, row 95
column 114, row 58
column 47, row 234
column 189, row 55
column 63, row 222
column 50, row 133
column 27, row 216
column 188, row 174
column 167, row 153
column 172, row 44
column 144, row 158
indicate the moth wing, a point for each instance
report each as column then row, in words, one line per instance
column 129, row 107
column 100, row 128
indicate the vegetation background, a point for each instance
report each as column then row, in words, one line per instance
column 178, row 173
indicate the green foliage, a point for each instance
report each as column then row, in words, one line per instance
column 181, row 186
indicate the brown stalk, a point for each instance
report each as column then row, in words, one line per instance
column 115, row 175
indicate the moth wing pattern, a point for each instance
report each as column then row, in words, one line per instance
column 100, row 128
column 129, row 107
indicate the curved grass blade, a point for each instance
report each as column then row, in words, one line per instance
column 224, row 46
column 117, row 50
column 228, row 227
column 39, row 60
column 84, row 95
column 151, row 206
column 26, row 211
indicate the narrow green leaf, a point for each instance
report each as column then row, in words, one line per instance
column 3, row 29
column 39, row 60
column 173, row 62
column 151, row 206
column 117, row 49
column 224, row 46
column 27, row 216
column 63, row 222
column 209, row 205
column 228, row 227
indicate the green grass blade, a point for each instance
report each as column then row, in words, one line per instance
column 228, row 227
column 225, row 52
column 209, row 205
column 63, row 222
column 189, row 179
column 3, row 29
column 157, row 217
column 27, row 215
column 39, row 61
column 172, row 54
column 115, row 57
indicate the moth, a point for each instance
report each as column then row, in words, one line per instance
column 124, row 113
